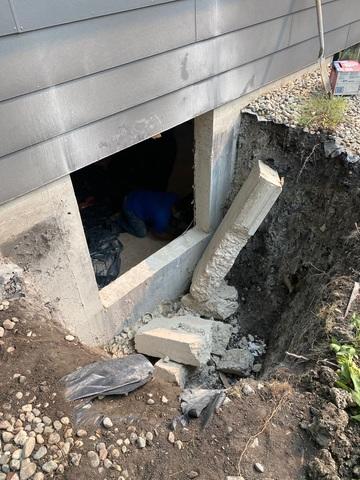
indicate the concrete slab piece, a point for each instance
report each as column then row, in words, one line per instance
column 170, row 372
column 248, row 210
column 187, row 348
column 214, row 335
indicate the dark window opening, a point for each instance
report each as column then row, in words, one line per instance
column 136, row 201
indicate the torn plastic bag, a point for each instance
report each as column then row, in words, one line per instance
column 201, row 403
column 110, row 377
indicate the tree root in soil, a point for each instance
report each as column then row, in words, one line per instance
column 266, row 423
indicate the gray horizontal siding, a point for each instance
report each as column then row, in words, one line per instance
column 36, row 14
column 354, row 34
column 7, row 23
column 68, row 106
column 335, row 14
column 28, row 169
column 36, row 60
column 216, row 17
column 75, row 93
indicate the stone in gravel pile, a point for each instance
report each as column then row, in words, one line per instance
column 32, row 445
column 284, row 104
column 122, row 344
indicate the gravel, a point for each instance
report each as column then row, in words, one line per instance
column 171, row 437
column 259, row 467
column 107, row 423
column 283, row 105
column 141, row 442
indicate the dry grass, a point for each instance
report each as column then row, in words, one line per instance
column 320, row 112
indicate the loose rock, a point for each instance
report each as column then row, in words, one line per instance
column 54, row 438
column 107, row 423
column 39, row 454
column 94, row 459
column 50, row 466
column 75, row 458
column 259, row 467
column 192, row 474
column 28, row 448
column 8, row 324
column 21, row 438
column 237, row 361
column 248, row 390
column 27, row 470
column 141, row 442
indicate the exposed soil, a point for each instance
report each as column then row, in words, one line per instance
column 296, row 274
column 45, row 357
column 294, row 277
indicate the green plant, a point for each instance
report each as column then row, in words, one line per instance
column 322, row 112
column 347, row 356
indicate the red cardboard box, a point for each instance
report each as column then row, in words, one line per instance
column 345, row 77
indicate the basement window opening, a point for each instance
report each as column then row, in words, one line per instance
column 136, row 201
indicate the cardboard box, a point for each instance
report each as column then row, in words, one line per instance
column 345, row 77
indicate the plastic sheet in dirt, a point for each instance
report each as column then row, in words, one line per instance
column 108, row 377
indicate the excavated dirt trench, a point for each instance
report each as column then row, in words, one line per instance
column 296, row 274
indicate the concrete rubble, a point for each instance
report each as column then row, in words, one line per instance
column 237, row 361
column 184, row 339
column 209, row 293
column 170, row 372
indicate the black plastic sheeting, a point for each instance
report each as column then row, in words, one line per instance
column 109, row 377
column 102, row 231
column 199, row 403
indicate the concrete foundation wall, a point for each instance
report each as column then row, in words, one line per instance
column 215, row 149
column 165, row 275
column 42, row 233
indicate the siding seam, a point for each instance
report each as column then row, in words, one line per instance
column 13, row 13
column 195, row 19
column 171, row 92
column 99, row 72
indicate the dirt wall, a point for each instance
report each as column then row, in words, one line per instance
column 295, row 275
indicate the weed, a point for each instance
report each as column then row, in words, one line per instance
column 323, row 113
column 347, row 356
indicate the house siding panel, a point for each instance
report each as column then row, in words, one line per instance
column 90, row 88
column 36, row 14
column 40, row 59
column 7, row 23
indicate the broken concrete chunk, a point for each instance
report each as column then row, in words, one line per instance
column 250, row 207
column 238, row 361
column 170, row 372
column 185, row 339
column 221, row 305
column 187, row 348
